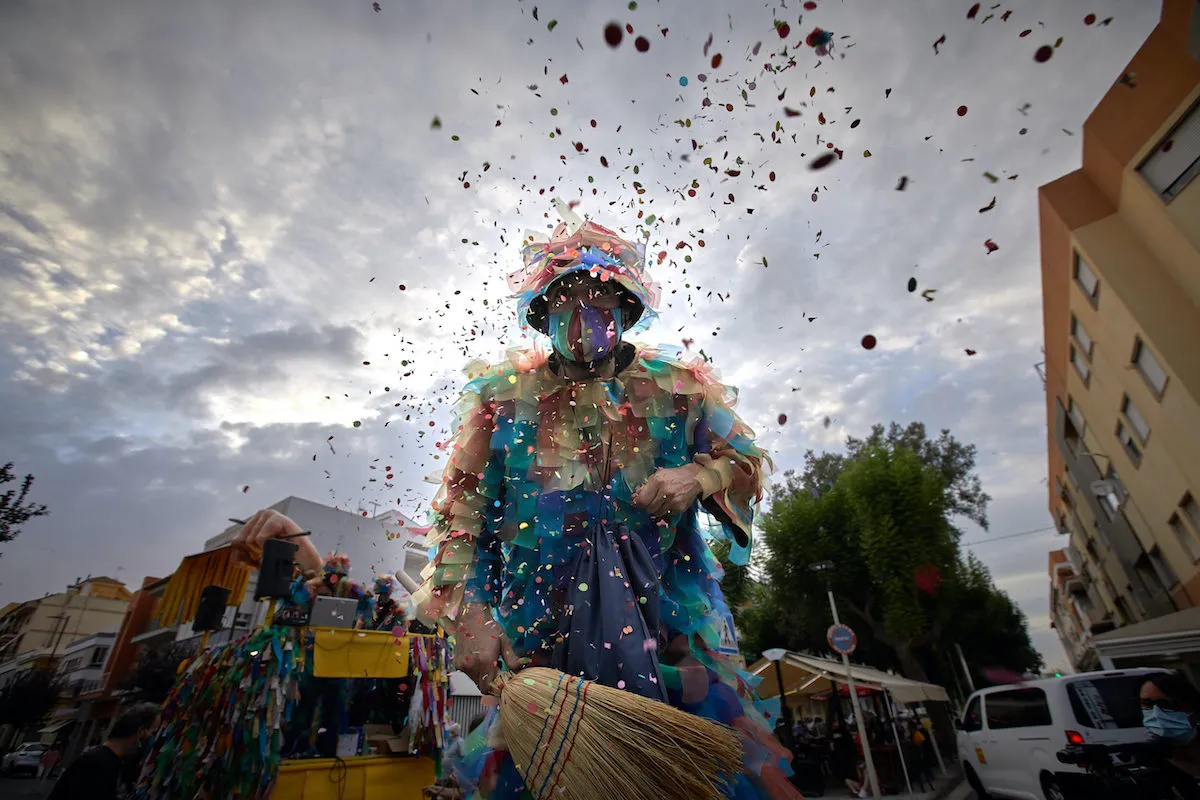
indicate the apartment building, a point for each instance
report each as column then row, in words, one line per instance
column 1120, row 252
column 51, row 623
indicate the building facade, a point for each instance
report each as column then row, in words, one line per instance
column 56, row 621
column 1120, row 252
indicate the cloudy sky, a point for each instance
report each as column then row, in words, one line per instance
column 253, row 245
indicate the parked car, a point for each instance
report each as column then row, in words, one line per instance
column 24, row 760
column 1009, row 736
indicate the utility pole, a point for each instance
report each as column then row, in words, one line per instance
column 966, row 671
column 824, row 568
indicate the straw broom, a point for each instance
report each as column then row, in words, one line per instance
column 580, row 740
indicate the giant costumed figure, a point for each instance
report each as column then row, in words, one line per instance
column 571, row 526
column 572, row 523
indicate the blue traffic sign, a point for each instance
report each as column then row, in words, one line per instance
column 842, row 639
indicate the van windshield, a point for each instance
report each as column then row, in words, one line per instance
column 1108, row 702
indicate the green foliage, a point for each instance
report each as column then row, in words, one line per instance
column 155, row 672
column 736, row 585
column 29, row 698
column 14, row 511
column 882, row 513
column 952, row 460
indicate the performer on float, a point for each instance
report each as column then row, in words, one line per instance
column 579, row 476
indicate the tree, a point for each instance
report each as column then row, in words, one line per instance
column 156, row 670
column 29, row 698
column 882, row 513
column 952, row 460
column 736, row 585
column 14, row 511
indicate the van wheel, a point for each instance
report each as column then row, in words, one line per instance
column 973, row 781
column 1051, row 788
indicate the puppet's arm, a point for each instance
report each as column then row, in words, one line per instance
column 731, row 477
column 465, row 563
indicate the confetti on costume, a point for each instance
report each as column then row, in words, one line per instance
column 535, row 519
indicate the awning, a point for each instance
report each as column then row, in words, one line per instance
column 212, row 568
column 55, row 727
column 805, row 675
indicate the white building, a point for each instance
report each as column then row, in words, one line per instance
column 388, row 542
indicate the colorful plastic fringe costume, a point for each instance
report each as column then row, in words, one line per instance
column 222, row 725
column 538, row 494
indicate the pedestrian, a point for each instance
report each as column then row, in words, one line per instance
column 48, row 762
column 1170, row 712
column 99, row 770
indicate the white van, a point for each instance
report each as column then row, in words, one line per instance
column 1009, row 735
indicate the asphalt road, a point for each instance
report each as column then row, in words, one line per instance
column 24, row 788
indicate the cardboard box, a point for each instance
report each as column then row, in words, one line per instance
column 385, row 741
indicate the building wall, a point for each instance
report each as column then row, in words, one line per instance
column 89, row 608
column 124, row 655
column 1145, row 253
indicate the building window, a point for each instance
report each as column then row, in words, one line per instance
column 1191, row 511
column 98, row 656
column 1123, row 610
column 1151, row 371
column 1087, row 280
column 1080, row 365
column 1076, row 417
column 1186, row 537
column 1136, row 420
column 1081, row 337
column 1162, row 570
column 1176, row 160
column 1111, row 502
column 1129, row 443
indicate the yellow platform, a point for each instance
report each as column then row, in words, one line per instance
column 346, row 653
column 358, row 778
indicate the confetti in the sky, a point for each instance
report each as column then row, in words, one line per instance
column 613, row 34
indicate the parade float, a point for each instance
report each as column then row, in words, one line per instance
column 335, row 695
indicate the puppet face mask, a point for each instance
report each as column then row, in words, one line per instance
column 584, row 333
column 585, row 322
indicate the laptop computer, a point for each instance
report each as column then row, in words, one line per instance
column 333, row 612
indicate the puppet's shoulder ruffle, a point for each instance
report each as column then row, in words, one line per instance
column 682, row 374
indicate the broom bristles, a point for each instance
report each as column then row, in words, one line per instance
column 579, row 740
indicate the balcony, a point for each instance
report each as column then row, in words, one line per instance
column 1111, row 526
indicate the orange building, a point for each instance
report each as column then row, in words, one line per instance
column 1120, row 250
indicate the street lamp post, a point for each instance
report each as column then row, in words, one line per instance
column 777, row 655
column 823, row 568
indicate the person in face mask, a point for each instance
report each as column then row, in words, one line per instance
column 1169, row 712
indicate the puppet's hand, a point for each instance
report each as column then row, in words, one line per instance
column 669, row 491
column 270, row 524
column 479, row 644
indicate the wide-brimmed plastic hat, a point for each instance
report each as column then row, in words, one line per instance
column 582, row 246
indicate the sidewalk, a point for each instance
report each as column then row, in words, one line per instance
column 944, row 788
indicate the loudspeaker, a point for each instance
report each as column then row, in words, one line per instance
column 211, row 611
column 275, row 571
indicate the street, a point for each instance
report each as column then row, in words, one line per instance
column 24, row 788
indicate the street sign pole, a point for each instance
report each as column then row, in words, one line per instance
column 859, row 723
